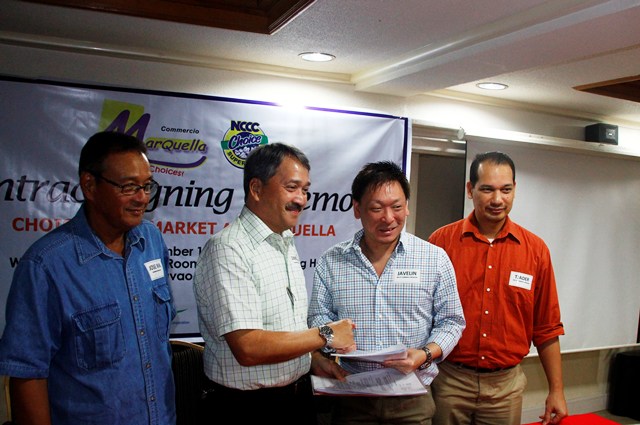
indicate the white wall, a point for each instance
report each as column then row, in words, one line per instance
column 474, row 116
column 585, row 373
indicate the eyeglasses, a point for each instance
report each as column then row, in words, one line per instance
column 131, row 188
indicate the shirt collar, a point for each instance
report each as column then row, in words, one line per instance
column 354, row 244
column 88, row 245
column 470, row 228
column 258, row 229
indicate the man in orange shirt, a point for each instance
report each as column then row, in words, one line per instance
column 508, row 293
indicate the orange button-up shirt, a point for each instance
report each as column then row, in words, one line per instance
column 507, row 289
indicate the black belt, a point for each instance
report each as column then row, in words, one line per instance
column 301, row 386
column 481, row 369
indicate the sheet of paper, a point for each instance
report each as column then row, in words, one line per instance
column 379, row 382
column 398, row 351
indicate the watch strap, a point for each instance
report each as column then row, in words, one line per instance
column 429, row 360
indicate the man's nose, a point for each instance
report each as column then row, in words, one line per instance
column 301, row 197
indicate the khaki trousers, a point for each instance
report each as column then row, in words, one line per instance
column 409, row 410
column 466, row 397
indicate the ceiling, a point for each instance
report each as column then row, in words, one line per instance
column 542, row 49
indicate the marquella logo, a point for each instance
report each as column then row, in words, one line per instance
column 176, row 154
column 241, row 138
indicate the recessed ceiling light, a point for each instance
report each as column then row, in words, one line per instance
column 316, row 57
column 492, row 86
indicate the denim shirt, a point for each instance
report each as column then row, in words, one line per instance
column 95, row 324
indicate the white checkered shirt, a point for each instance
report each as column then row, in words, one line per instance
column 249, row 277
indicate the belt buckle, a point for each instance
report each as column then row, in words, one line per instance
column 298, row 385
column 480, row 369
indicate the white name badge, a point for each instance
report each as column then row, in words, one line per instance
column 154, row 268
column 521, row 280
column 406, row 276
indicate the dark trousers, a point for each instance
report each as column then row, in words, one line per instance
column 289, row 405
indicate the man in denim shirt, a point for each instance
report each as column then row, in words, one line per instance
column 89, row 309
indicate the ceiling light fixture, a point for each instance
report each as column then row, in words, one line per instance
column 492, row 86
column 316, row 57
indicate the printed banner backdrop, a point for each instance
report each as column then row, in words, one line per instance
column 197, row 147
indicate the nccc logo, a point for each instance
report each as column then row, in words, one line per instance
column 240, row 139
column 253, row 127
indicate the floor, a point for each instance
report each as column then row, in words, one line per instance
column 604, row 413
column 326, row 419
column 621, row 420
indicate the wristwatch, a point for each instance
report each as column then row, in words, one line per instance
column 327, row 333
column 427, row 362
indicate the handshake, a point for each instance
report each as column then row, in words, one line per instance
column 338, row 336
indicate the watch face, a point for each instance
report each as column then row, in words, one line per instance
column 327, row 333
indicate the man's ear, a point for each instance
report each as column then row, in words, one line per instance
column 87, row 184
column 255, row 188
column 356, row 210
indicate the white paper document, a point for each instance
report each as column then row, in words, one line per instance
column 379, row 382
column 398, row 351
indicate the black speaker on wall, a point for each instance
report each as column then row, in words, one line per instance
column 601, row 133
column 623, row 390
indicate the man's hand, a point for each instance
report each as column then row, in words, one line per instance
column 343, row 336
column 326, row 367
column 408, row 364
column 555, row 408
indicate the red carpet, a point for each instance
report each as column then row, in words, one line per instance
column 585, row 419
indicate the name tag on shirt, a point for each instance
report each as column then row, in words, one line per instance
column 406, row 276
column 154, row 268
column 521, row 280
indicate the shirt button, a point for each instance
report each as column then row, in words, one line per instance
column 488, row 289
column 135, row 298
column 141, row 331
column 148, row 365
column 152, row 398
column 486, row 312
column 484, row 335
column 481, row 357
column 490, row 267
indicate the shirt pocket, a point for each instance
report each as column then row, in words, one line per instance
column 164, row 310
column 99, row 338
